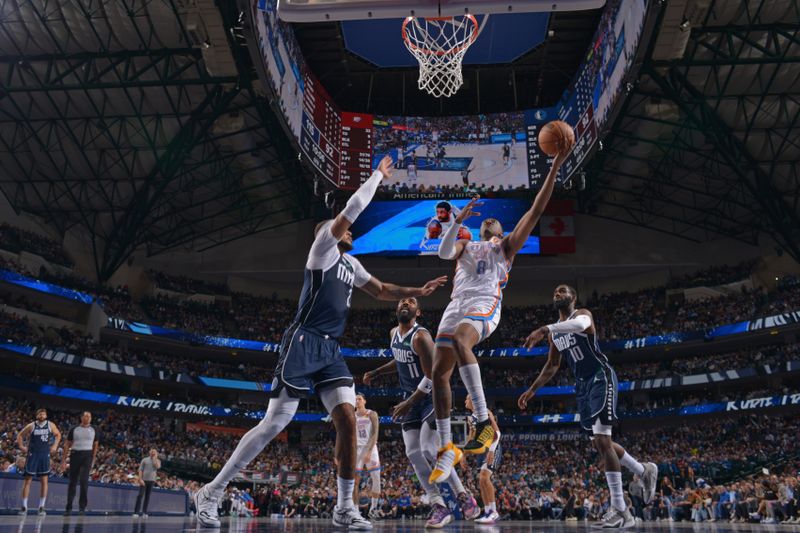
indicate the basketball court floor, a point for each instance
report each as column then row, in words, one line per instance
column 154, row 524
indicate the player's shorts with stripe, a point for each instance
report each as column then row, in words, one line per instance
column 37, row 464
column 419, row 413
column 481, row 312
column 309, row 362
column 373, row 460
column 597, row 400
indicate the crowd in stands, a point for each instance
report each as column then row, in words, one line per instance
column 14, row 239
column 713, row 276
column 186, row 285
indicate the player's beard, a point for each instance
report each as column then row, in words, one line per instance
column 562, row 304
column 404, row 316
column 345, row 246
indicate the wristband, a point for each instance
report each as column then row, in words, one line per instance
column 425, row 385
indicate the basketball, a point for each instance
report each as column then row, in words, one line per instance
column 555, row 136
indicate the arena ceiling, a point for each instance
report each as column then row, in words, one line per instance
column 708, row 141
column 141, row 122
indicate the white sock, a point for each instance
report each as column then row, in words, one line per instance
column 25, row 503
column 344, row 498
column 455, row 483
column 471, row 376
column 489, row 508
column 443, row 429
column 41, row 501
column 614, row 480
column 631, row 464
column 279, row 413
column 373, row 503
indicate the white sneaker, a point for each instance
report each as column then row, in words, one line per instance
column 650, row 480
column 375, row 514
column 489, row 518
column 615, row 519
column 135, row 515
column 350, row 518
column 207, row 508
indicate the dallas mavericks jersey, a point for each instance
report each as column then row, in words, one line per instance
column 363, row 428
column 325, row 300
column 482, row 270
column 409, row 368
column 581, row 352
column 40, row 438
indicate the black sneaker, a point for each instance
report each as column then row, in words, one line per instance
column 67, row 512
column 484, row 436
column 42, row 512
column 23, row 511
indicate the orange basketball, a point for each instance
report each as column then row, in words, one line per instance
column 556, row 136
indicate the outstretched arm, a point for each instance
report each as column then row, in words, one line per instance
column 388, row 368
column 515, row 240
column 361, row 198
column 581, row 321
column 546, row 374
column 388, row 291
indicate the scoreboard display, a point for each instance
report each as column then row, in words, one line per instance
column 321, row 130
column 356, row 150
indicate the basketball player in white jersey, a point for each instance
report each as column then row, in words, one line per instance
column 367, row 458
column 474, row 313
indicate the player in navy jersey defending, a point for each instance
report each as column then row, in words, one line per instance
column 38, row 441
column 412, row 355
column 310, row 359
column 574, row 337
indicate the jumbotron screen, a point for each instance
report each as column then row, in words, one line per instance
column 415, row 227
column 494, row 152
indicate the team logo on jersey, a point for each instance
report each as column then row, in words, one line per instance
column 345, row 272
column 564, row 341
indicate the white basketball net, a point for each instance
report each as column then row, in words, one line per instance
column 439, row 44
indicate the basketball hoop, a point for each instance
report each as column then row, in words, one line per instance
column 439, row 44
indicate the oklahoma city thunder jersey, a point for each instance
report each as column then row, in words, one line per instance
column 581, row 352
column 482, row 270
column 363, row 428
column 409, row 368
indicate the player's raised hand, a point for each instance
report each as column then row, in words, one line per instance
column 367, row 379
column 563, row 154
column 386, row 166
column 536, row 337
column 468, row 212
column 525, row 397
column 432, row 285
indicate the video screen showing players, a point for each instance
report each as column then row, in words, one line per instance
column 415, row 227
column 463, row 153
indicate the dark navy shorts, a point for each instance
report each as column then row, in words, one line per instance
column 597, row 399
column 419, row 413
column 37, row 464
column 309, row 362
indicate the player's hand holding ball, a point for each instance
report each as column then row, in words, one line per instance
column 386, row 166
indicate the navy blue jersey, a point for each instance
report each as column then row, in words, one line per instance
column 581, row 352
column 328, row 282
column 409, row 368
column 40, row 438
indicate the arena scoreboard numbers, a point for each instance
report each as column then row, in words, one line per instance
column 321, row 129
column 538, row 162
column 356, row 150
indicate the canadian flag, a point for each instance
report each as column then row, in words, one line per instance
column 557, row 228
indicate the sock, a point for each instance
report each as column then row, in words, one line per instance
column 25, row 503
column 41, row 501
column 471, row 376
column 455, row 483
column 373, row 503
column 344, row 498
column 631, row 464
column 490, row 508
column 443, row 429
column 614, row 480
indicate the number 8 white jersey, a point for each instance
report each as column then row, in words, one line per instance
column 481, row 270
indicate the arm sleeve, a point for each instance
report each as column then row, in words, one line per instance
column 362, row 197
column 447, row 248
column 361, row 274
column 324, row 251
column 579, row 324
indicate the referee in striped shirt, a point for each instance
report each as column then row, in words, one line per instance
column 81, row 448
